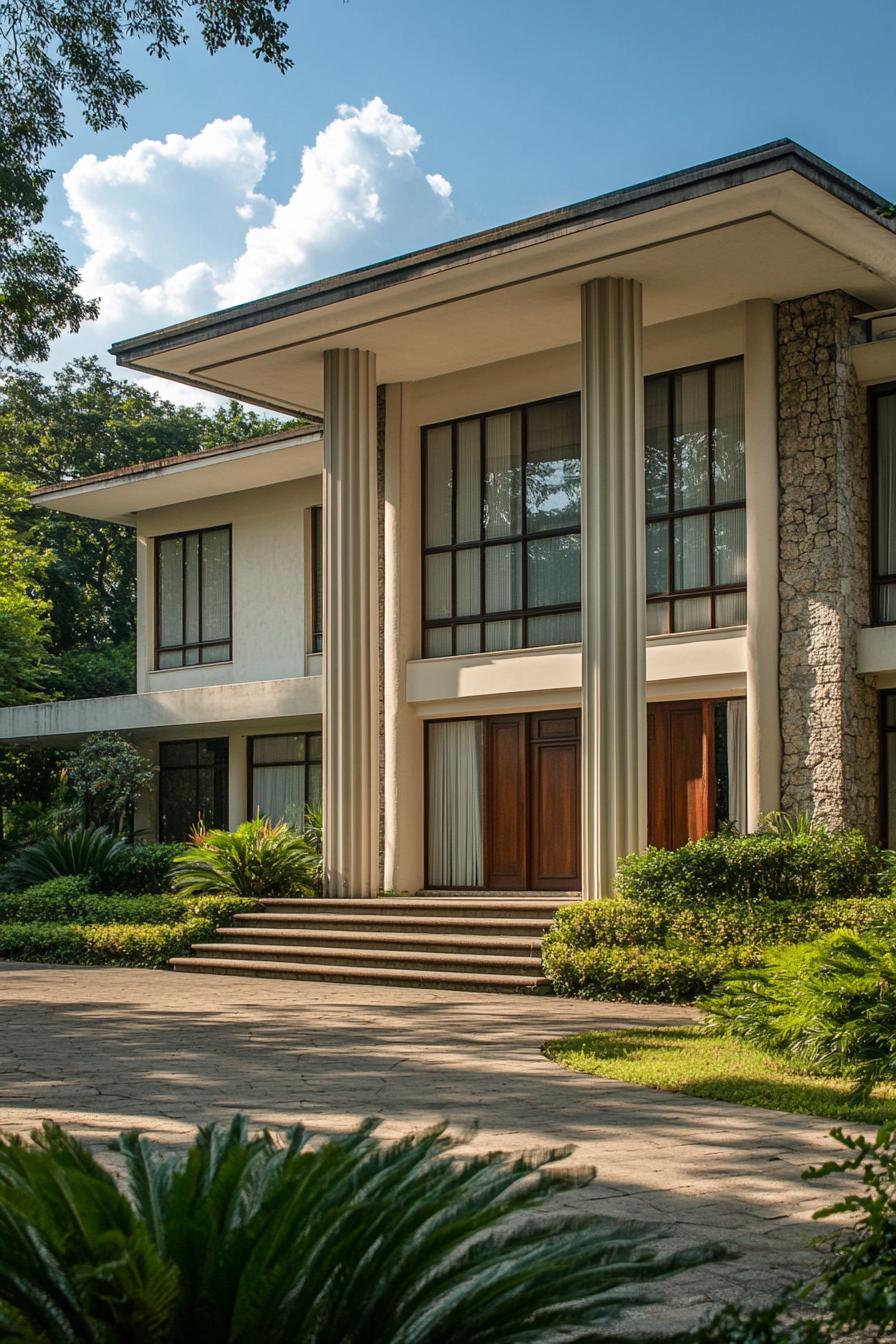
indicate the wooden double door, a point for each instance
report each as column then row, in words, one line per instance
column 532, row 787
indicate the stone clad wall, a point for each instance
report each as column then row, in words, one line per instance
column 828, row 713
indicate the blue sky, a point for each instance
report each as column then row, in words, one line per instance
column 519, row 106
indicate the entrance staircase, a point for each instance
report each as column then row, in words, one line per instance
column 468, row 941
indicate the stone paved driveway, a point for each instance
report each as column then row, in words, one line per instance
column 101, row 1049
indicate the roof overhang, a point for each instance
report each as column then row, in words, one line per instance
column 775, row 223
column 118, row 496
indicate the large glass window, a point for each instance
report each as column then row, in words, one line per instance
column 193, row 598
column 501, row 523
column 192, row 786
column 883, row 420
column 285, row 776
column 695, row 495
column 888, row 768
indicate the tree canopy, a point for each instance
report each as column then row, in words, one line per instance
column 60, row 55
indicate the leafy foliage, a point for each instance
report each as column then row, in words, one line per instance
column 106, row 776
column 67, row 900
column 109, row 669
column 259, row 860
column 145, row 943
column 87, row 851
column 140, row 869
column 647, row 952
column 813, row 864
column 268, row 1237
column 828, row 1006
column 25, row 665
column 63, row 53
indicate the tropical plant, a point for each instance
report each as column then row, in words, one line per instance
column 314, row 834
column 828, row 1006
column 270, row 1237
column 106, row 776
column 87, row 851
column 260, row 859
column 789, row 825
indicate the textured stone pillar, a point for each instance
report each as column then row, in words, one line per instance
column 350, row 693
column 761, row 413
column 614, row 772
column 828, row 712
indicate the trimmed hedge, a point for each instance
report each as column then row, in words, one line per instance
column 38, row 905
column 141, row 870
column 148, row 945
column 817, row 865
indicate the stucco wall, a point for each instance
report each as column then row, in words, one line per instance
column 268, row 583
column 828, row 711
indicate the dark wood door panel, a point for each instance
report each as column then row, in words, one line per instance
column 555, row 863
column 680, row 775
column 506, row 803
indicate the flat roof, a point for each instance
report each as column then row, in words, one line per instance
column 117, row 495
column 773, row 222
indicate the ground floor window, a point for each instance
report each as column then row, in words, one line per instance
column 192, row 786
column 888, row 768
column 285, row 776
column 454, row 803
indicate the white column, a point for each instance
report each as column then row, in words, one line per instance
column 351, row 615
column 403, row 818
column 761, row 432
column 614, row 726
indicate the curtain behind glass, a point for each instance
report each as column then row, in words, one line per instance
column 728, row 438
column 278, row 792
column 737, row 764
column 454, row 804
column 503, row 475
column 215, row 584
column 170, row 561
column 690, row 446
column 886, row 504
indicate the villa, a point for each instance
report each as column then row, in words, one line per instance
column 595, row 548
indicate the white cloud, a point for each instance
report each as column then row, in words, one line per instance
column 177, row 227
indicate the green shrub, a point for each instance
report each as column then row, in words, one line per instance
column 813, row 865
column 258, row 860
column 615, row 948
column 141, row 870
column 71, row 903
column 88, row 851
column 103, row 944
column 348, row 1241
column 828, row 1006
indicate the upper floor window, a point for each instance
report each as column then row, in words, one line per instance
column 317, row 579
column 696, row 493
column 883, row 422
column 501, row 530
column 193, row 598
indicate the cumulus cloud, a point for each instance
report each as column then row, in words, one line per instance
column 177, row 227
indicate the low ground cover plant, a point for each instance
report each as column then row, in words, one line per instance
column 828, row 1006
column 260, row 860
column 272, row 1237
column 683, row 919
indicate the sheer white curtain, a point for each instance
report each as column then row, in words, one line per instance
column 886, row 504
column 737, row 764
column 216, row 584
column 455, row 804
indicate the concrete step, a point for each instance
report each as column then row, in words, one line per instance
column 491, row 926
column 421, row 979
column 398, row 941
column 472, row 894
column 435, row 909
column 470, row 964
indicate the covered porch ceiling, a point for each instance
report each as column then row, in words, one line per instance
column 774, row 223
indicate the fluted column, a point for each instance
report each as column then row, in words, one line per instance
column 614, row 729
column 350, row 714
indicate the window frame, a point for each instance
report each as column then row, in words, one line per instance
column 876, row 580
column 317, row 591
column 524, row 613
column 186, row 644
column 671, row 515
column 218, row 768
column 252, row 765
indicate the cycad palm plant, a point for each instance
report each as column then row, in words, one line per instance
column 87, row 851
column 271, row 1238
column 260, row 860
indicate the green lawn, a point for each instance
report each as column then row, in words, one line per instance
column 682, row 1059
